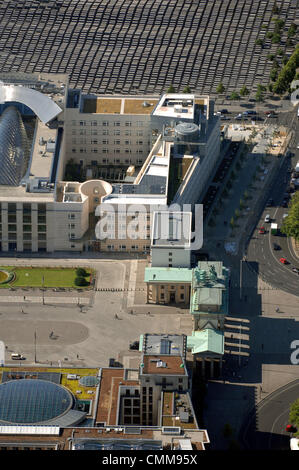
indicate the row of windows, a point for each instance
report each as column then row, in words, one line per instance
column 107, row 123
column 105, row 132
column 106, row 142
column 124, row 247
column 106, row 151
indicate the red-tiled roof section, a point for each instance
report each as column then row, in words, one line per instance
column 107, row 405
column 173, row 365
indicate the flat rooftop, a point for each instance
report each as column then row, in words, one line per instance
column 43, row 152
column 111, row 379
column 176, row 106
column 118, row 105
column 164, row 344
column 163, row 365
column 171, row 229
column 157, row 275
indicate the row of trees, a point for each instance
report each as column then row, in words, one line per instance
column 290, row 226
column 287, row 73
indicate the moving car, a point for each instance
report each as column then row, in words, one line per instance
column 262, row 230
column 17, row 356
column 283, row 261
column 267, row 218
column 276, row 247
column 270, row 203
column 295, row 270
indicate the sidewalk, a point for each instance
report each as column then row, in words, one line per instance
column 256, row 173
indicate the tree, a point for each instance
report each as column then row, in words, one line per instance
column 234, row 96
column 292, row 30
column 287, row 73
column 294, row 416
column 269, row 35
column 187, row 89
column 274, row 73
column 171, row 89
column 80, row 272
column 271, row 56
column 259, row 94
column 81, row 281
column 259, row 42
column 279, row 23
column 276, row 38
column 290, row 225
column 244, row 91
column 246, row 195
column 232, row 222
column 237, row 213
column 220, row 88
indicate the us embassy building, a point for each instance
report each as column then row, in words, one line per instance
column 64, row 153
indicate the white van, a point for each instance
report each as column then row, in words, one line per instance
column 17, row 356
column 267, row 218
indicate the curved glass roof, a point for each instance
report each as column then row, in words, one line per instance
column 15, row 149
column 26, row 401
column 45, row 108
column 89, row 381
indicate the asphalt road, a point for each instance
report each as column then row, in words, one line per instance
column 264, row 429
column 260, row 248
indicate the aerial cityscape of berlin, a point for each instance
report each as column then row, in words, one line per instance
column 149, row 230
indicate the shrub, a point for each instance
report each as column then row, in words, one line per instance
column 220, row 88
column 81, row 272
column 81, row 281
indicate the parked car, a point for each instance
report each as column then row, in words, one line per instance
column 270, row 203
column 224, row 111
column 276, row 247
column 295, row 270
column 239, row 116
column 262, row 230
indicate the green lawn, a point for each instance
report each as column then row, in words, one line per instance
column 43, row 277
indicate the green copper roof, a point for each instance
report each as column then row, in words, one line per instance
column 168, row 275
column 209, row 287
column 207, row 340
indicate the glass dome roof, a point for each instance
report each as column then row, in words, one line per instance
column 27, row 401
column 15, row 151
column 89, row 381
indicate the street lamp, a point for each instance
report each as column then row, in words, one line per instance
column 35, row 347
column 43, row 283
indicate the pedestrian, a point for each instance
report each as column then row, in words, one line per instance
column 22, row 311
column 277, row 309
column 24, row 297
column 116, row 316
